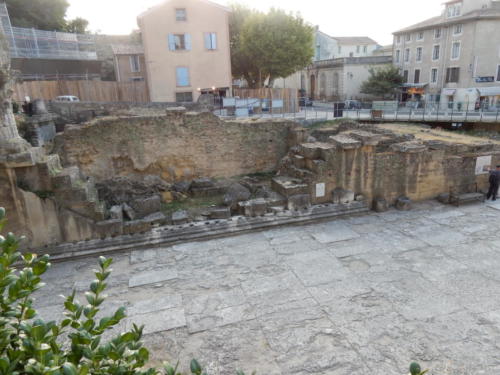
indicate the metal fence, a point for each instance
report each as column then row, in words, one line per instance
column 41, row 44
column 459, row 112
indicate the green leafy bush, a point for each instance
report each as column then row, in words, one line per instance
column 75, row 345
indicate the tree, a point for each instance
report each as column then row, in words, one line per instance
column 269, row 46
column 383, row 82
column 44, row 15
column 75, row 345
column 39, row 14
column 78, row 25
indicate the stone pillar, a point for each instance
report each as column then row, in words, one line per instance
column 10, row 141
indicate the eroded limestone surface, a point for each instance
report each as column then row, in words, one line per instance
column 362, row 295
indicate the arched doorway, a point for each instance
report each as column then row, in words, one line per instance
column 313, row 86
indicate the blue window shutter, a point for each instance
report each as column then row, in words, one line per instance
column 214, row 41
column 171, row 42
column 182, row 76
column 207, row 41
column 187, row 40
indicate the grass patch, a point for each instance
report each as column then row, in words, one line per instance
column 192, row 203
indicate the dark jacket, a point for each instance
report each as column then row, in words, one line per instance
column 494, row 177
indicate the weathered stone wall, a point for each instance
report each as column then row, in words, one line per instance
column 387, row 166
column 176, row 146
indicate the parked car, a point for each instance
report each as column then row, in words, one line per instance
column 67, row 98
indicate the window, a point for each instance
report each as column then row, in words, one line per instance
column 407, row 55
column 180, row 14
column 211, row 41
column 351, row 54
column 365, row 49
column 455, row 50
column 419, row 54
column 357, row 49
column 437, row 33
column 408, row 37
column 417, row 76
column 452, row 75
column 498, row 73
column 182, row 76
column 179, row 42
column 454, row 10
column 435, row 52
column 398, row 56
column 457, row 29
column 398, row 39
column 434, row 75
column 135, row 65
column 420, row 35
column 340, row 49
column 183, row 97
column 405, row 76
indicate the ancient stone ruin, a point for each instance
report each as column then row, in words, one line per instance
column 117, row 180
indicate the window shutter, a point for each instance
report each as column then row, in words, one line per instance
column 187, row 40
column 214, row 41
column 207, row 41
column 182, row 76
column 171, row 42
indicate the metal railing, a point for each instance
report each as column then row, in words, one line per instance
column 312, row 111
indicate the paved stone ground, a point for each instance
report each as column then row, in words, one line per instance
column 362, row 295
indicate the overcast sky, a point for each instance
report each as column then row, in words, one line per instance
column 374, row 18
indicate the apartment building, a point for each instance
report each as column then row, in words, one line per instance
column 453, row 58
column 331, row 47
column 186, row 49
column 129, row 62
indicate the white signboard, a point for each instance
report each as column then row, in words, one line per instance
column 320, row 190
column 229, row 102
column 483, row 164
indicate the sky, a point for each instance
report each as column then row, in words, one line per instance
column 374, row 18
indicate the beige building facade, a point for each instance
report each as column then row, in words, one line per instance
column 453, row 58
column 129, row 61
column 335, row 79
column 186, row 48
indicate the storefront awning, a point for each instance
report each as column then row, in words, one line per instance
column 415, row 85
column 489, row 91
column 448, row 92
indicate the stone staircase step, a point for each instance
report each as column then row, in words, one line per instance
column 288, row 186
column 67, row 178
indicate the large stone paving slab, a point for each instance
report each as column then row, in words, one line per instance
column 367, row 294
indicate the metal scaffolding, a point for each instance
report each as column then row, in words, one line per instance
column 40, row 44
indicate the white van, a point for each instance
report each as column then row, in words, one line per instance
column 67, row 98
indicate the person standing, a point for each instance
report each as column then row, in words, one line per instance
column 494, row 184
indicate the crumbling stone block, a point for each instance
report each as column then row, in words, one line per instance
column 220, row 213
column 128, row 211
column 444, row 198
column 181, row 186
column 409, row 147
column 136, row 226
column 236, row 193
column 109, row 228
column 345, row 142
column 156, row 218
column 146, row 206
column 341, row 196
column 367, row 138
column 180, row 217
column 202, row 182
column 288, row 186
column 253, row 207
column 380, row 205
column 403, row 204
column 299, row 202
column 116, row 213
